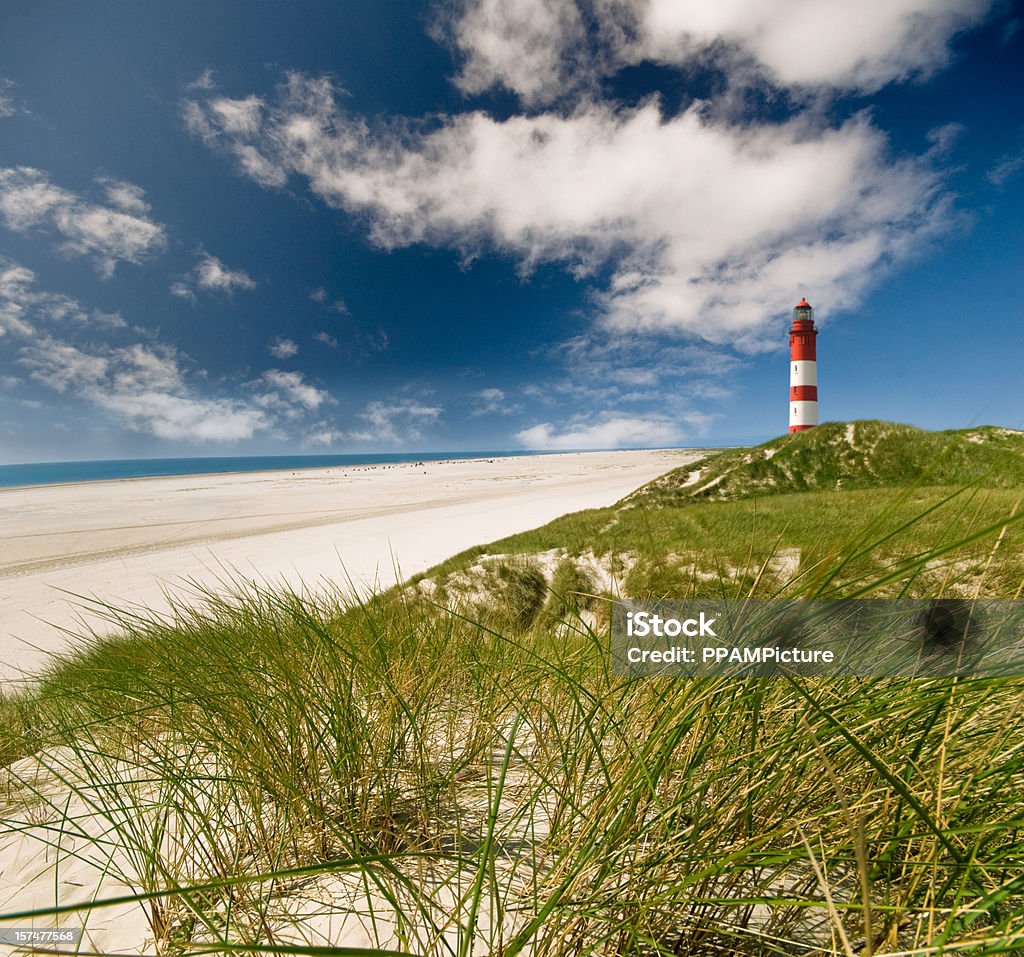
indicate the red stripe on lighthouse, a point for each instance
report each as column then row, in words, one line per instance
column 807, row 392
column 802, row 347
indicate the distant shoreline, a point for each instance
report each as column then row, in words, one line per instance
column 106, row 470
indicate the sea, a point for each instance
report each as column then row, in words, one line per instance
column 59, row 473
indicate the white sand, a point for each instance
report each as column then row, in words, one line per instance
column 133, row 542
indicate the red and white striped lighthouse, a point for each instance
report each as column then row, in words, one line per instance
column 803, row 369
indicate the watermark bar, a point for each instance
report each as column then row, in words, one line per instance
column 41, row 938
column 865, row 638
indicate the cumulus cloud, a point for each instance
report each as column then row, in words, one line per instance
column 211, row 275
column 543, row 51
column 144, row 389
column 282, row 348
column 526, row 46
column 107, row 235
column 609, row 431
column 295, row 389
column 710, row 228
column 327, row 339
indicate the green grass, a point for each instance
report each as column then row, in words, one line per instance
column 864, row 454
column 571, row 590
column 934, row 540
column 920, row 508
column 482, row 777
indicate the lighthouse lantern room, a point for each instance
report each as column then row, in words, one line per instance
column 803, row 369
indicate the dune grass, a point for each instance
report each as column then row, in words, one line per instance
column 505, row 794
column 273, row 772
column 851, row 455
column 923, row 541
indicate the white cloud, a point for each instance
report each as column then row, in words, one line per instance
column 25, row 310
column 125, row 196
column 323, row 435
column 107, row 235
column 143, row 386
column 544, row 51
column 210, row 121
column 493, row 402
column 821, row 43
column 237, row 116
column 283, row 348
column 7, row 107
column 395, row 423
column 182, row 418
column 524, row 45
column 61, row 365
column 293, row 386
column 327, row 339
column 712, row 229
column 338, row 305
column 16, row 297
column 609, row 431
column 204, row 81
column 1006, row 167
column 211, row 274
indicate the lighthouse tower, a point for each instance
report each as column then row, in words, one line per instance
column 803, row 369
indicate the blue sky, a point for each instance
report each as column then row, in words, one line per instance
column 234, row 228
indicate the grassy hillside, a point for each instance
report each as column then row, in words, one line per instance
column 450, row 768
column 855, row 455
column 842, row 510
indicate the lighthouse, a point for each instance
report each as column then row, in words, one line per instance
column 803, row 369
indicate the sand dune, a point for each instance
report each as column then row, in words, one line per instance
column 134, row 542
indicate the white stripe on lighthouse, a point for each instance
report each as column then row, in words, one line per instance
column 803, row 412
column 803, row 372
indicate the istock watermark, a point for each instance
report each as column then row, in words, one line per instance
column 868, row 638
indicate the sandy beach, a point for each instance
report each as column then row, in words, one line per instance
column 135, row 542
